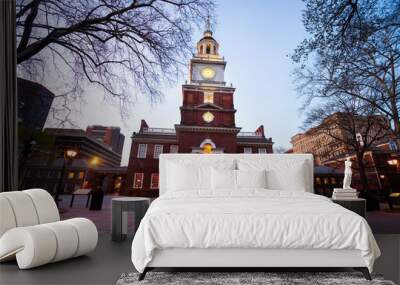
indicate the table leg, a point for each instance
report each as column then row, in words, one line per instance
column 72, row 200
column 116, row 222
column 87, row 201
column 124, row 224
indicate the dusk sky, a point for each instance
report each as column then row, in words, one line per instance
column 256, row 39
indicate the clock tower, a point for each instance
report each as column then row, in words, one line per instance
column 207, row 111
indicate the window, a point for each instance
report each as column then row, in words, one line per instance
column 208, row 49
column 318, row 181
column 138, row 180
column 262, row 150
column 81, row 174
column 154, row 181
column 71, row 175
column 201, row 49
column 173, row 149
column 142, row 151
column 158, row 149
column 208, row 97
column 247, row 150
column 215, row 50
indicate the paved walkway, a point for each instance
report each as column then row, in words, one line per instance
column 381, row 222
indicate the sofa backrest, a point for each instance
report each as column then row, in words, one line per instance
column 26, row 208
column 282, row 161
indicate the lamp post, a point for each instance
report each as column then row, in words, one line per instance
column 69, row 154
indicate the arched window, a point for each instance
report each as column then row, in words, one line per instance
column 215, row 49
column 207, row 148
column 201, row 49
column 208, row 49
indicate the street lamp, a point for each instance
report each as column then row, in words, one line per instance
column 392, row 162
column 93, row 162
column 69, row 154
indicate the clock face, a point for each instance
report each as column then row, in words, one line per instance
column 208, row 117
column 208, row 73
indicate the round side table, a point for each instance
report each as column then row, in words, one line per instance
column 120, row 207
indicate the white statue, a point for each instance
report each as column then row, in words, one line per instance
column 347, row 174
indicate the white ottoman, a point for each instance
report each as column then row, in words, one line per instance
column 33, row 243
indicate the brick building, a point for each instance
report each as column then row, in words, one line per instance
column 109, row 135
column 94, row 163
column 207, row 123
column 382, row 160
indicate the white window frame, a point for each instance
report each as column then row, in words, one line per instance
column 173, row 148
column 247, row 150
column 262, row 150
column 158, row 149
column 151, row 181
column 134, row 180
column 142, row 150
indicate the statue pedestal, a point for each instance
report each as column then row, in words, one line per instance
column 348, row 193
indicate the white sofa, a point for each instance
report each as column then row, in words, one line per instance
column 31, row 231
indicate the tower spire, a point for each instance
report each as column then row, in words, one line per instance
column 208, row 31
column 208, row 24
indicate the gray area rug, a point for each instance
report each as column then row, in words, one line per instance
column 273, row 278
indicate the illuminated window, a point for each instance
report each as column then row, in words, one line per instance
column 138, row 180
column 158, row 149
column 333, row 180
column 142, row 150
column 154, row 181
column 247, row 150
column 208, row 97
column 173, row 149
column 71, row 175
column 318, row 181
column 326, row 181
column 81, row 174
column 262, row 150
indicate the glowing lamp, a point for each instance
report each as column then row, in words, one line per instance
column 70, row 153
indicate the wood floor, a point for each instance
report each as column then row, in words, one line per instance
column 103, row 266
column 111, row 259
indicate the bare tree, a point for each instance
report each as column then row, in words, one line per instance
column 352, row 123
column 353, row 49
column 110, row 43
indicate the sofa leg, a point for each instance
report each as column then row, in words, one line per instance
column 143, row 274
column 364, row 271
